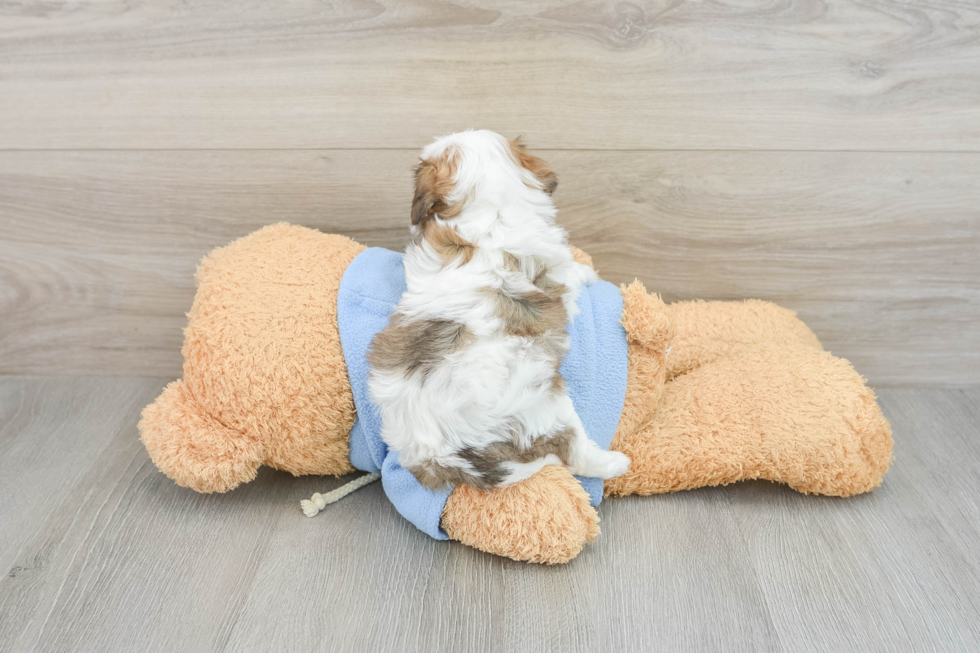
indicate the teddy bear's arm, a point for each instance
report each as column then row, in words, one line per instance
column 546, row 518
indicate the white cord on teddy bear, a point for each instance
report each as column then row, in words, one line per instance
column 318, row 501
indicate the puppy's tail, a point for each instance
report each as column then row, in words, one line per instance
column 318, row 501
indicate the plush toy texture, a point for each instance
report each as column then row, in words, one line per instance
column 264, row 377
column 790, row 411
column 546, row 518
column 717, row 392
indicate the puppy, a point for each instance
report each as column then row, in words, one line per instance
column 466, row 372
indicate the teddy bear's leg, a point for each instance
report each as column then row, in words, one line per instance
column 707, row 331
column 193, row 449
column 546, row 518
column 794, row 415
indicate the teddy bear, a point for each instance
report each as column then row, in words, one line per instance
column 713, row 393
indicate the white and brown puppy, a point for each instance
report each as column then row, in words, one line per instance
column 466, row 373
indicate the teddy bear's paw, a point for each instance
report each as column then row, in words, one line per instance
column 546, row 518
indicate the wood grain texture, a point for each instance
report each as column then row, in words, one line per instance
column 665, row 74
column 101, row 552
column 877, row 251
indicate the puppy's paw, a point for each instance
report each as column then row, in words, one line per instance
column 616, row 465
column 604, row 464
column 586, row 274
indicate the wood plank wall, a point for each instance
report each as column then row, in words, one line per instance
column 824, row 155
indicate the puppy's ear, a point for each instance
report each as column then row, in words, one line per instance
column 433, row 183
column 537, row 167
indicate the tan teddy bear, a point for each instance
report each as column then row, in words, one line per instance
column 716, row 392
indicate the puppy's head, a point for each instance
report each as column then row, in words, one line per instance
column 475, row 165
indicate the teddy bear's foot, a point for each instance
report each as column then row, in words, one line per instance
column 546, row 518
column 193, row 449
column 798, row 416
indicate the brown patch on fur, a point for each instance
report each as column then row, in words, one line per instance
column 449, row 244
column 433, row 183
column 488, row 462
column 554, row 344
column 436, row 477
column 529, row 265
column 529, row 314
column 547, row 285
column 558, row 384
column 537, row 167
column 512, row 262
column 539, row 315
column 416, row 346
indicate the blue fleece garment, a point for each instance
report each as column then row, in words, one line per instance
column 594, row 371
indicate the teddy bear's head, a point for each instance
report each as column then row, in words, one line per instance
column 264, row 377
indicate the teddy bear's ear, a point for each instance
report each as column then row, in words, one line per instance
column 193, row 449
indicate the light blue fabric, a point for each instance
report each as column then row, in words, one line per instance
column 594, row 371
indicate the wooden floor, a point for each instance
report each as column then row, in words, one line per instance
column 101, row 552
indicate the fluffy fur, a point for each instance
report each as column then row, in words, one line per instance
column 466, row 374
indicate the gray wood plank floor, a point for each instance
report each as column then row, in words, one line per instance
column 100, row 552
